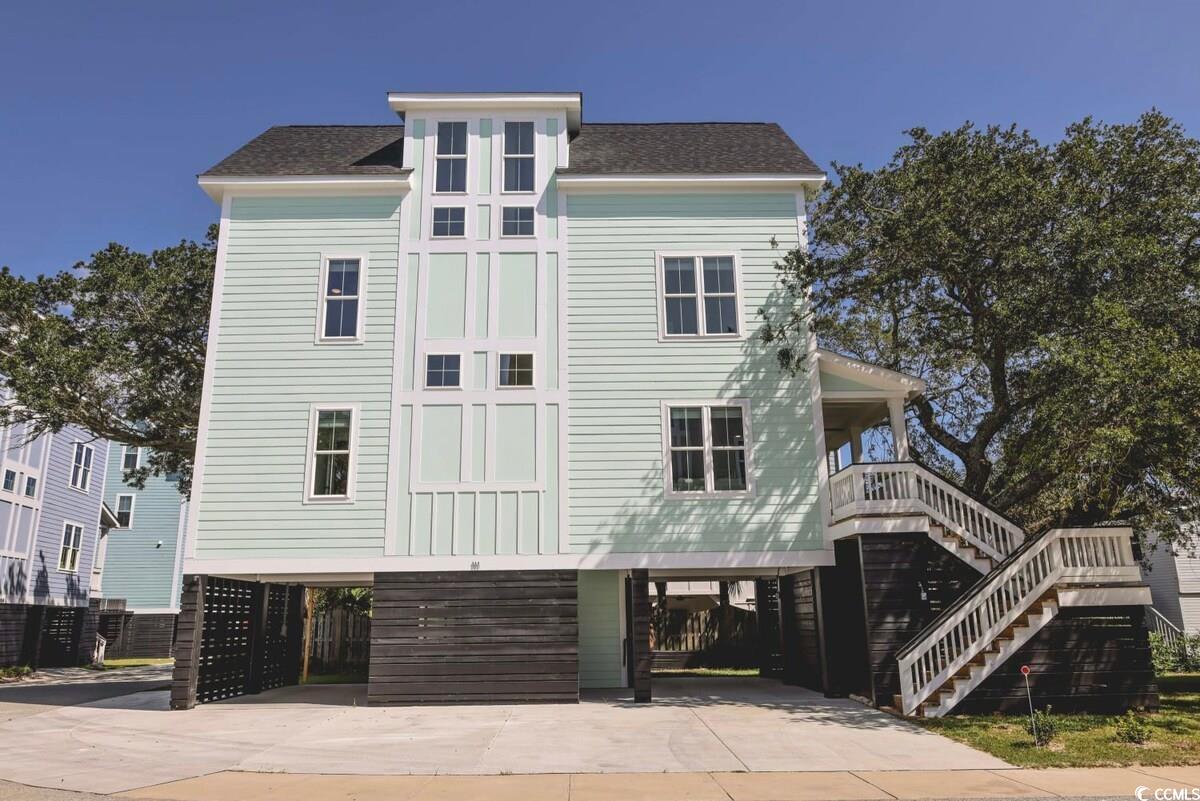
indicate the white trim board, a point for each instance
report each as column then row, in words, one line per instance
column 221, row 187
column 774, row 182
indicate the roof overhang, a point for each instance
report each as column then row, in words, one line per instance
column 688, row 182
column 570, row 102
column 107, row 518
column 217, row 186
column 879, row 381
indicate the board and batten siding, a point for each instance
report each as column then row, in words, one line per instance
column 268, row 372
column 620, row 373
column 140, row 562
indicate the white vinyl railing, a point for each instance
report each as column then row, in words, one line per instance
column 971, row 625
column 906, row 487
column 1161, row 625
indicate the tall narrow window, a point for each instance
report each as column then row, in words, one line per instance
column 451, row 157
column 10, row 480
column 449, row 221
column 30, row 486
column 131, row 457
column 518, row 157
column 340, row 299
column 699, row 297
column 517, row 221
column 443, row 370
column 331, row 453
column 516, row 370
column 707, row 449
column 68, row 555
column 124, row 511
column 81, row 467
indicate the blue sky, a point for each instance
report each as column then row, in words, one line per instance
column 109, row 110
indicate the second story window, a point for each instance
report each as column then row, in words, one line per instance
column 30, row 486
column 451, row 157
column 68, row 555
column 332, row 441
column 517, row 221
column 81, row 467
column 131, row 457
column 516, row 370
column 449, row 221
column 341, row 300
column 124, row 511
column 707, row 449
column 699, row 297
column 443, row 370
column 518, row 157
column 10, row 480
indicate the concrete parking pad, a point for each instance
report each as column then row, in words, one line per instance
column 935, row 783
column 1081, row 781
column 815, row 786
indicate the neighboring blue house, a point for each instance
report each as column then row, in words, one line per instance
column 51, row 495
column 140, row 560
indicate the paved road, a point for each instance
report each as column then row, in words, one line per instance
column 73, row 686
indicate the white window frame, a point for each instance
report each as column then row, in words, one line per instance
column 125, row 449
column 15, row 488
column 533, row 368
column 76, row 449
column 532, row 156
column 25, row 486
column 132, row 506
column 62, row 546
column 698, row 257
column 360, row 324
column 425, row 369
column 355, row 410
column 466, row 158
column 432, row 214
column 532, row 234
column 706, row 407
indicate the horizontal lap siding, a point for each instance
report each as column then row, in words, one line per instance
column 472, row 637
column 620, row 373
column 269, row 371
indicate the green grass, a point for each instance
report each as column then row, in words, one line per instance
column 691, row 672
column 117, row 664
column 1090, row 740
column 15, row 673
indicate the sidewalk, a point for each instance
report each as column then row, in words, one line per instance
column 808, row 786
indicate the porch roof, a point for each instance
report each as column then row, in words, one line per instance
column 846, row 378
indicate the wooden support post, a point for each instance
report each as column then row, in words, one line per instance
column 899, row 428
column 640, row 634
column 309, row 600
column 187, row 643
column 294, row 632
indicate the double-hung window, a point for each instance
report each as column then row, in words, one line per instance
column 68, row 555
column 81, row 467
column 30, row 486
column 699, row 297
column 707, row 448
column 518, row 157
column 451, row 157
column 331, row 474
column 449, row 221
column 443, row 370
column 124, row 511
column 341, row 300
column 131, row 457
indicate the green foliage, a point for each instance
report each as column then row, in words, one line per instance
column 1131, row 728
column 1043, row 728
column 1047, row 294
column 1182, row 656
column 116, row 346
column 356, row 599
column 15, row 672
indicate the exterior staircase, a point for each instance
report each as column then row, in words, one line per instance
column 1025, row 580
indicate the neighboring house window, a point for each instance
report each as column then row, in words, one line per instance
column 81, row 467
column 516, row 369
column 518, row 157
column 449, row 221
column 451, row 157
column 707, row 448
column 30, row 486
column 10, row 480
column 341, row 295
column 68, row 556
column 124, row 511
column 443, row 370
column 517, row 221
column 699, row 296
column 332, row 441
column 131, row 457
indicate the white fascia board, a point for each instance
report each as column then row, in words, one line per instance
column 882, row 378
column 689, row 182
column 571, row 102
column 216, row 186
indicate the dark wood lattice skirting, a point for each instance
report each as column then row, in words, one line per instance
column 640, row 659
column 474, row 637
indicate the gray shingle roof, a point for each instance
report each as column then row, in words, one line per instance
column 714, row 148
column 318, row 150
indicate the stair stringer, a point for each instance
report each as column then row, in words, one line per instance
column 963, row 553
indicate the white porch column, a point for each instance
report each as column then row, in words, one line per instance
column 856, row 444
column 899, row 430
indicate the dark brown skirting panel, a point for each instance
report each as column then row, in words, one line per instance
column 641, row 660
column 135, row 635
column 61, row 635
column 803, row 656
column 1087, row 659
column 185, row 678
column 474, row 637
column 12, row 635
column 767, row 615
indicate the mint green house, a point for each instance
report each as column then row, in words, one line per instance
column 501, row 363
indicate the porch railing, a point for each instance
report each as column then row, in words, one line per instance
column 889, row 488
column 1160, row 624
column 975, row 621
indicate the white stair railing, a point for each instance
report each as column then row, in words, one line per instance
column 971, row 626
column 889, row 488
column 1161, row 625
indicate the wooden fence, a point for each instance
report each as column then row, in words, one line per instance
column 341, row 641
column 684, row 638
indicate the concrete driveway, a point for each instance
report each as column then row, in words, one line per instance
column 694, row 725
